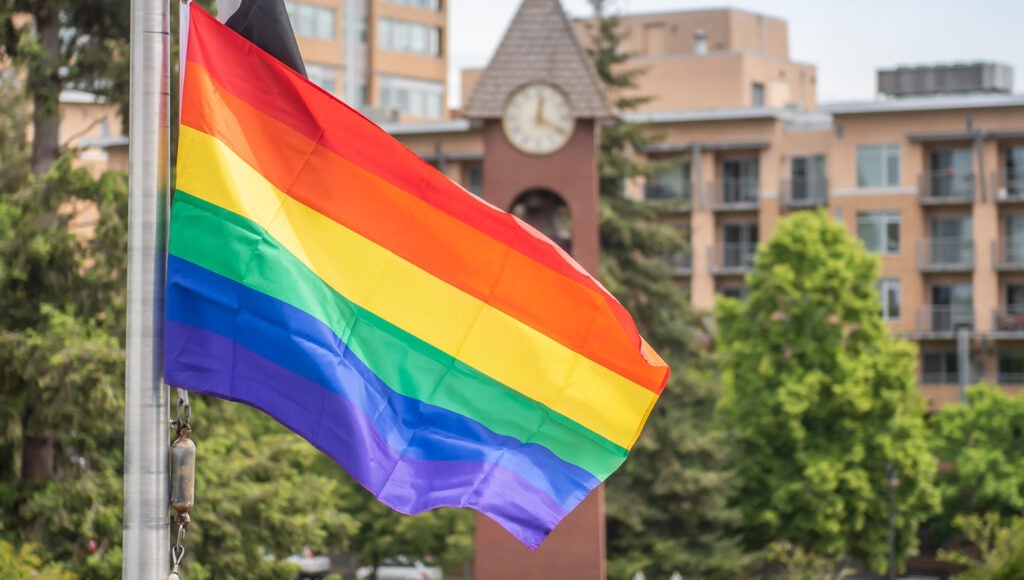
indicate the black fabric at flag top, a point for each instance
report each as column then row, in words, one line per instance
column 265, row 23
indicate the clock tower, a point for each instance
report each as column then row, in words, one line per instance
column 540, row 102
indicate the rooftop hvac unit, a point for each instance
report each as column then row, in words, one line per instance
column 978, row 77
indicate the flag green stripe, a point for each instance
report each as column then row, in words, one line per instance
column 236, row 248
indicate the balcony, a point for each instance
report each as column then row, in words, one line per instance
column 732, row 258
column 680, row 264
column 945, row 255
column 735, row 194
column 943, row 320
column 678, row 197
column 805, row 193
column 1008, row 255
column 1009, row 187
column 1008, row 321
column 946, row 187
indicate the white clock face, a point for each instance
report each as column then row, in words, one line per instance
column 538, row 119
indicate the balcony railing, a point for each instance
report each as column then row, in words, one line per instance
column 805, row 192
column 946, row 187
column 944, row 319
column 680, row 263
column 732, row 258
column 1008, row 254
column 1009, row 318
column 680, row 196
column 1008, row 378
column 1009, row 186
column 949, row 377
column 945, row 254
column 735, row 193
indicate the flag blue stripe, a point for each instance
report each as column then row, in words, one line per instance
column 308, row 348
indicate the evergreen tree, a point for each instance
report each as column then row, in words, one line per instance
column 666, row 507
column 822, row 400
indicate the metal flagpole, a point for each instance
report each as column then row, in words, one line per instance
column 146, row 514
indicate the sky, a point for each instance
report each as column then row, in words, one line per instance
column 846, row 39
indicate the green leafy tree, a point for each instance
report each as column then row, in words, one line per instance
column 262, row 495
column 666, row 507
column 982, row 443
column 996, row 551
column 24, row 562
column 785, row 560
column 821, row 400
column 442, row 537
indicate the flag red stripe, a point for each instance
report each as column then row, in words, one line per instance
column 282, row 94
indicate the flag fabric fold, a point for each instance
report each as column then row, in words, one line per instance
column 440, row 350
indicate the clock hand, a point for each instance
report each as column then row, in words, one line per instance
column 543, row 121
column 540, row 111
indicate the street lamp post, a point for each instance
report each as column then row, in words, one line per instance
column 894, row 482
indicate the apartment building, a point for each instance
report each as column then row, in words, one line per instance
column 387, row 58
column 930, row 175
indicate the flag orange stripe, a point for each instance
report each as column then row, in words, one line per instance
column 420, row 233
column 282, row 94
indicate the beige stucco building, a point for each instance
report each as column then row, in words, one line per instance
column 930, row 175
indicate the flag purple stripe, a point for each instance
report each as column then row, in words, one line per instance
column 213, row 364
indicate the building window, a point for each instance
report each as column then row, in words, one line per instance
column 952, row 242
column 1013, row 171
column 1014, row 240
column 952, row 307
column 671, row 182
column 757, row 95
column 952, row 173
column 807, row 176
column 880, row 231
column 889, row 292
column 741, row 180
column 939, row 367
column 310, row 20
column 473, row 178
column 425, row 4
column 413, row 97
column 1011, row 368
column 878, row 165
column 740, row 245
column 322, row 76
column 410, row 37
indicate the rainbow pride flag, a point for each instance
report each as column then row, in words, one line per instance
column 440, row 350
